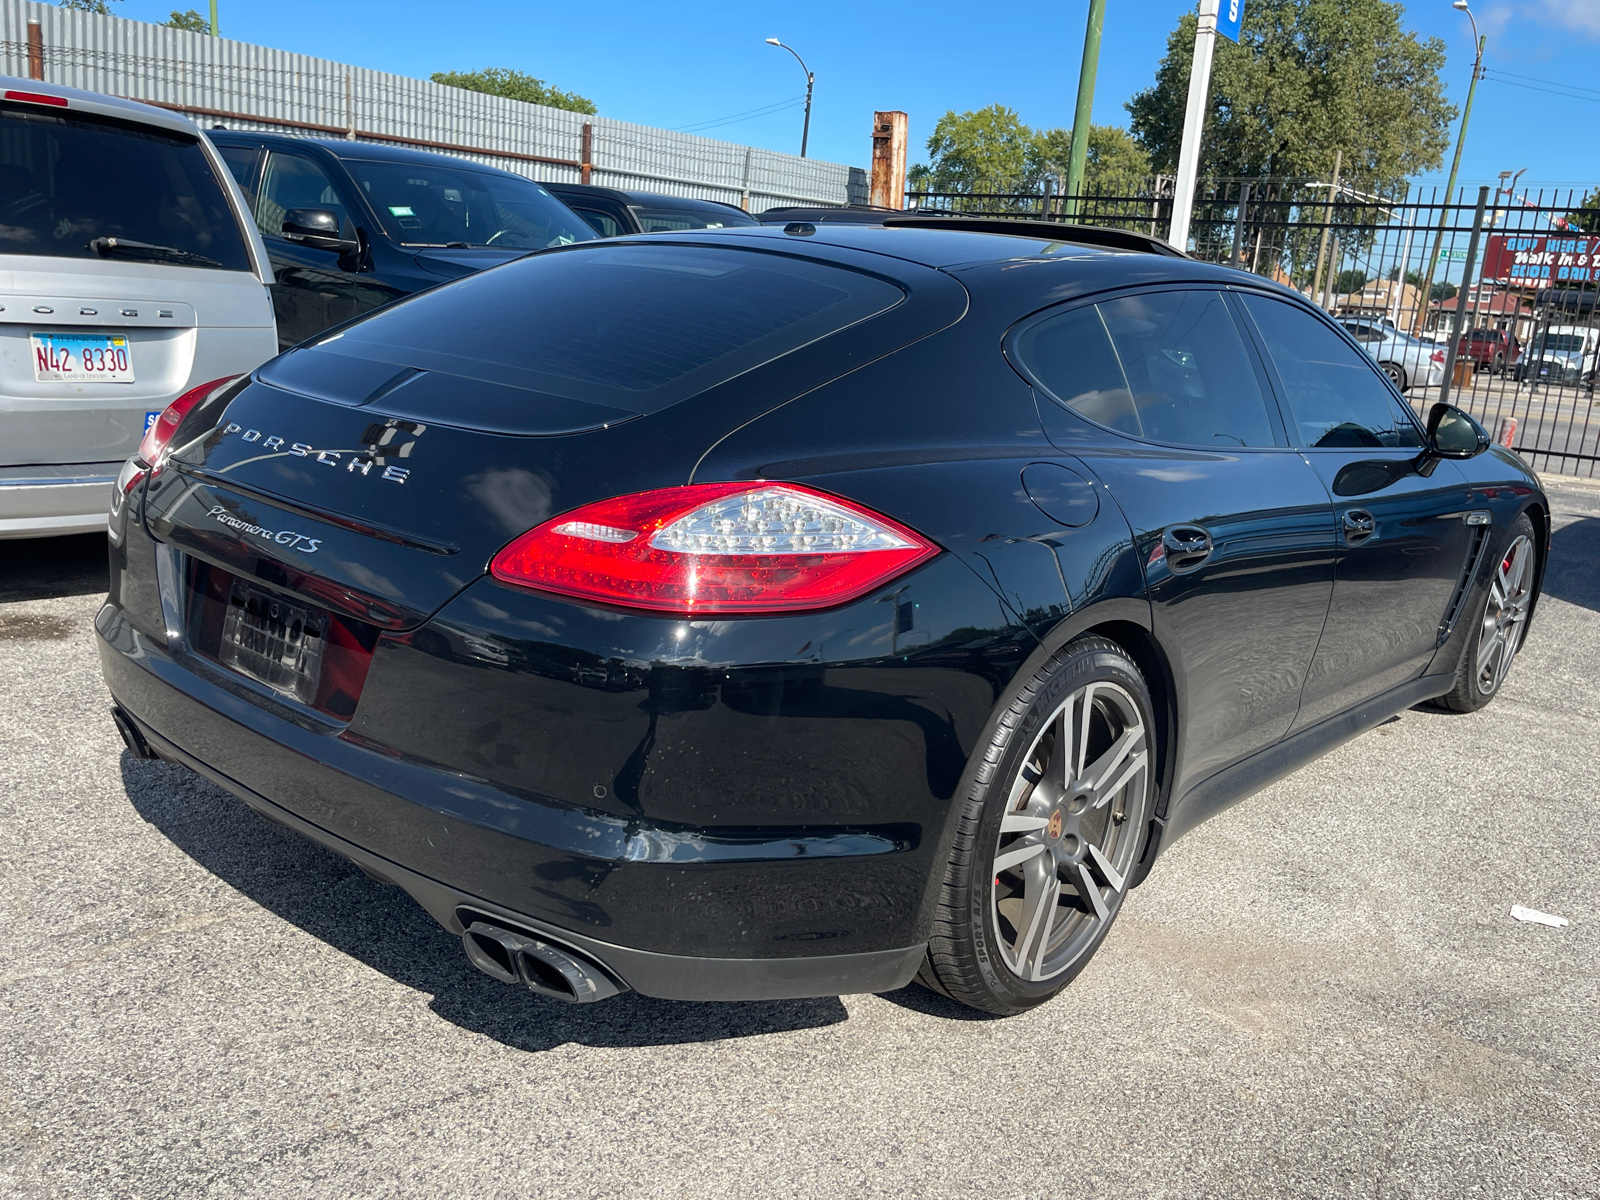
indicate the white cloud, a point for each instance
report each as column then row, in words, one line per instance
column 1574, row 16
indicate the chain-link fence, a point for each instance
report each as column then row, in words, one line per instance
column 242, row 86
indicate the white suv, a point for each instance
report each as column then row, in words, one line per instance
column 130, row 273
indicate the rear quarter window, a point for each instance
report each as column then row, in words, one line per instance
column 67, row 180
column 625, row 325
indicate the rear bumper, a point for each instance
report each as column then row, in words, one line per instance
column 278, row 767
column 49, row 501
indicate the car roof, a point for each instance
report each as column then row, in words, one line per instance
column 947, row 245
column 358, row 150
column 662, row 199
column 100, row 105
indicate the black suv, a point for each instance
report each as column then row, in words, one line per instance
column 613, row 212
column 352, row 226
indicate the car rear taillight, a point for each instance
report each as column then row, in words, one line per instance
column 159, row 436
column 715, row 548
column 1437, row 356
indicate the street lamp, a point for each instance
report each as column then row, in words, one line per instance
column 805, row 133
column 1455, row 164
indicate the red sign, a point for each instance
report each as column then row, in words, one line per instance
column 1541, row 259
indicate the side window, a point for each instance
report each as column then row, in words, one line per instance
column 241, row 162
column 293, row 181
column 1166, row 366
column 603, row 223
column 1071, row 357
column 1335, row 394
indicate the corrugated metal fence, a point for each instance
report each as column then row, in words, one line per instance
column 216, row 80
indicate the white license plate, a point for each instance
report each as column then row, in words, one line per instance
column 81, row 358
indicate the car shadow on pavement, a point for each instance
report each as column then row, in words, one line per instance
column 45, row 568
column 1574, row 550
column 331, row 899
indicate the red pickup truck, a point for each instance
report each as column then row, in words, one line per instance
column 1495, row 350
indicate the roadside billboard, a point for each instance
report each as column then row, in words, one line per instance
column 1541, row 259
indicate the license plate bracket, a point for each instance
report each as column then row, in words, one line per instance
column 81, row 358
column 274, row 641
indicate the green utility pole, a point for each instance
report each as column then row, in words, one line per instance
column 214, row 32
column 1081, row 114
column 1455, row 164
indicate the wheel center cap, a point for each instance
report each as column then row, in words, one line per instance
column 1053, row 829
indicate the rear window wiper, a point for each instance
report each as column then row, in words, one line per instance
column 106, row 246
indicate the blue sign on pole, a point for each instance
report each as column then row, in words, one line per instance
column 1229, row 14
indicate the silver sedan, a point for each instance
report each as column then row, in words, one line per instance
column 1409, row 361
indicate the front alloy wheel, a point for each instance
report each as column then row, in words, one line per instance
column 1504, row 615
column 1396, row 373
column 1051, row 832
column 1492, row 643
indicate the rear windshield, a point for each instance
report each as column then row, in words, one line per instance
column 1561, row 343
column 76, row 187
column 627, row 325
column 423, row 204
column 658, row 220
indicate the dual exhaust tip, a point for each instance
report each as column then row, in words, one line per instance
column 515, row 957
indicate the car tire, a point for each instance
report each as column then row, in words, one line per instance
column 1491, row 646
column 1047, row 842
column 1498, row 366
column 1396, row 374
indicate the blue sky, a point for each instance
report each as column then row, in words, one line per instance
column 685, row 65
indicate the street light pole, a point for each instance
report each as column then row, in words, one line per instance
column 805, row 132
column 1082, row 113
column 214, row 18
column 1455, row 163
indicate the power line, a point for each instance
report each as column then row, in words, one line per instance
column 1536, row 79
column 748, row 115
column 1494, row 78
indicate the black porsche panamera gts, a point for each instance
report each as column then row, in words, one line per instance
column 802, row 610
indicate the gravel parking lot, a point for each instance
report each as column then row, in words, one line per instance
column 1320, row 993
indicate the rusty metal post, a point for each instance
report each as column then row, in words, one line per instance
column 889, row 132
column 586, row 159
column 35, row 51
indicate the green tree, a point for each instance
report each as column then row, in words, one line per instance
column 1116, row 165
column 1414, row 278
column 89, row 6
column 1351, row 279
column 1440, row 291
column 1587, row 215
column 513, row 85
column 1307, row 79
column 991, row 150
column 190, row 20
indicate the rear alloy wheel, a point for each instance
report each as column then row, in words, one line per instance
column 1052, row 832
column 1396, row 373
column 1487, row 656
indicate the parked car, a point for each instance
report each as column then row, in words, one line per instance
column 801, row 610
column 114, row 300
column 1408, row 361
column 1563, row 354
column 352, row 226
column 1493, row 350
column 613, row 212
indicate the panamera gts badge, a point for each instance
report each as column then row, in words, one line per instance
column 383, row 444
column 287, row 537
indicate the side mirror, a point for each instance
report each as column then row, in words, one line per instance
column 1451, row 434
column 317, row 228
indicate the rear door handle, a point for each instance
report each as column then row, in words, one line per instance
column 1186, row 546
column 1359, row 526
